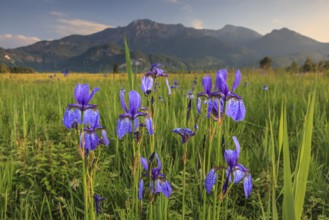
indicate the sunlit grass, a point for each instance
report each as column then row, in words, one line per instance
column 40, row 165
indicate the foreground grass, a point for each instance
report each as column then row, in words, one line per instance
column 40, row 165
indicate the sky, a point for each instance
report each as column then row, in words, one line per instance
column 24, row 22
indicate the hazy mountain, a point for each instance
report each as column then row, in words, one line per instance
column 179, row 46
column 285, row 41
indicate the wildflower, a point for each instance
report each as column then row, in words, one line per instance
column 234, row 107
column 158, row 181
column 149, row 78
column 91, row 139
column 265, row 87
column 210, row 180
column 74, row 112
column 98, row 199
column 186, row 133
column 189, row 94
column 175, row 85
column 207, row 93
column 234, row 168
column 66, row 73
column 131, row 115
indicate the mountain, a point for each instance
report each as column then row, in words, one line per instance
column 179, row 46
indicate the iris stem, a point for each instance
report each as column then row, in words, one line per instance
column 184, row 171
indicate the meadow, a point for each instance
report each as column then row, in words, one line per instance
column 284, row 141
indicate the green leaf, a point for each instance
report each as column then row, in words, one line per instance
column 288, row 207
column 304, row 159
column 128, row 65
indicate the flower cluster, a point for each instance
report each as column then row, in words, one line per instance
column 86, row 114
column 157, row 181
column 222, row 96
column 129, row 121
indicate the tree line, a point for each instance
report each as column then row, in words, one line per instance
column 16, row 69
column 308, row 66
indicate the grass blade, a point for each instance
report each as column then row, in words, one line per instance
column 304, row 160
column 288, row 208
column 128, row 65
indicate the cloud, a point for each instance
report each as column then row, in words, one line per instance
column 57, row 13
column 276, row 21
column 13, row 41
column 197, row 24
column 78, row 26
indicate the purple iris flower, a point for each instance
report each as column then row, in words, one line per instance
column 66, row 73
column 175, row 85
column 207, row 93
column 74, row 112
column 189, row 94
column 91, row 139
column 186, row 133
column 234, row 168
column 149, row 78
column 265, row 87
column 98, row 199
column 131, row 115
column 234, row 107
column 158, row 181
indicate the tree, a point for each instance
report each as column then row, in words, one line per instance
column 294, row 68
column 308, row 65
column 115, row 68
column 265, row 63
column 4, row 68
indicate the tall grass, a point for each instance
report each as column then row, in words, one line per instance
column 285, row 146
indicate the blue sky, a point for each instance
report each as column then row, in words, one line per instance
column 24, row 22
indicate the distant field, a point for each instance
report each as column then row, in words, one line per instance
column 41, row 166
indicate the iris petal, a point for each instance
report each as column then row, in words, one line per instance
column 72, row 116
column 148, row 122
column 134, row 101
column 236, row 80
column 81, row 93
column 159, row 162
column 91, row 118
column 207, row 84
column 124, row 127
column 91, row 141
column 247, row 185
column 140, row 189
column 92, row 94
column 236, row 109
column 147, row 84
column 122, row 100
column 237, row 144
column 144, row 163
column 105, row 138
column 199, row 105
column 231, row 157
column 238, row 175
column 210, row 180
column 221, row 85
column 163, row 187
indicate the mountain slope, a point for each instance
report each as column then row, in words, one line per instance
column 182, row 47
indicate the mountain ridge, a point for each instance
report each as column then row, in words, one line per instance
column 186, row 47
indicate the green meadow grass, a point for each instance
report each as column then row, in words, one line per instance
column 284, row 142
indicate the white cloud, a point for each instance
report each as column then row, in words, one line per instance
column 57, row 13
column 197, row 24
column 78, row 26
column 13, row 41
column 276, row 21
